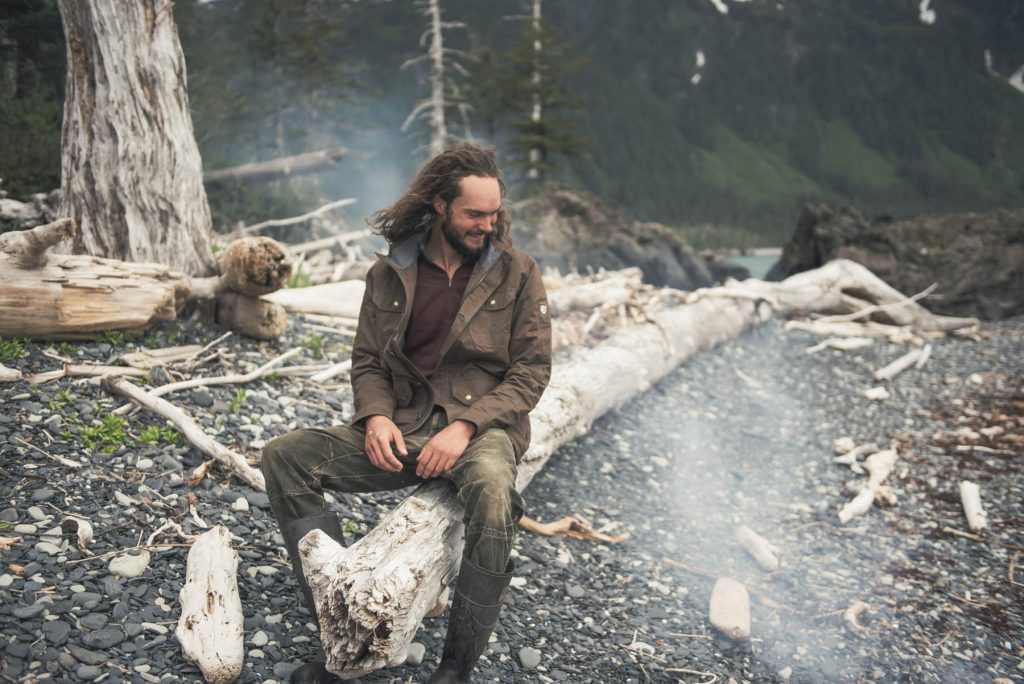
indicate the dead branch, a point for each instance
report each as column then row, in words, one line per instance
column 236, row 462
column 337, row 204
column 574, row 526
column 282, row 167
column 238, row 379
column 27, row 248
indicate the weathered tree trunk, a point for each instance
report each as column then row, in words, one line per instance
column 272, row 169
column 131, row 175
column 372, row 596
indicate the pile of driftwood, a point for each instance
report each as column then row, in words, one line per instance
column 618, row 337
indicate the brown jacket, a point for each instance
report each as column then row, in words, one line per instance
column 494, row 364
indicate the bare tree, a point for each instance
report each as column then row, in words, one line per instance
column 131, row 175
column 443, row 92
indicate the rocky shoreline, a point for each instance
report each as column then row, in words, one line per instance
column 742, row 434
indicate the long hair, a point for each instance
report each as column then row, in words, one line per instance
column 439, row 177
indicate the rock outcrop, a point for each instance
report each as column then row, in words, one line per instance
column 573, row 231
column 976, row 259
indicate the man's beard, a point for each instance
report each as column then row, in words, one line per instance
column 454, row 240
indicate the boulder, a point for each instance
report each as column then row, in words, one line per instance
column 572, row 230
column 975, row 258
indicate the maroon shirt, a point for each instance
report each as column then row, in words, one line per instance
column 434, row 307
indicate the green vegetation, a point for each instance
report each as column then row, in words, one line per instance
column 298, row 278
column 61, row 400
column 155, row 435
column 315, row 344
column 350, row 527
column 237, row 401
column 12, row 349
column 115, row 337
column 105, row 436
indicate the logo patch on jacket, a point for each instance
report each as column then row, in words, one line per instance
column 543, row 309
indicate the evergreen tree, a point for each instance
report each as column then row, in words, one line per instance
column 541, row 68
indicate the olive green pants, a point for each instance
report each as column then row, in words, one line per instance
column 300, row 465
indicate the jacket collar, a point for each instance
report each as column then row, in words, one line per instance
column 404, row 254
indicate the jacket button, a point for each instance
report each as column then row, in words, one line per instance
column 469, row 397
column 493, row 302
column 395, row 303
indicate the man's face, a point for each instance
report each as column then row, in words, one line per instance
column 469, row 220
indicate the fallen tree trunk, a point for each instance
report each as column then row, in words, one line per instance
column 372, row 597
column 65, row 297
column 273, row 169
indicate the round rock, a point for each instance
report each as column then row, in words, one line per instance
column 529, row 658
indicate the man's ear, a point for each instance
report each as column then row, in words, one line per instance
column 439, row 205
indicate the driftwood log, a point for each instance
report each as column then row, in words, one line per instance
column 210, row 629
column 61, row 297
column 272, row 169
column 372, row 596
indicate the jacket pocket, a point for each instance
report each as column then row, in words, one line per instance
column 489, row 329
column 403, row 391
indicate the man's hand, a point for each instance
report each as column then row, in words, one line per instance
column 381, row 433
column 444, row 449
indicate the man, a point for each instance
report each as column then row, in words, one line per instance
column 452, row 351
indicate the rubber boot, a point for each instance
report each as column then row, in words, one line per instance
column 314, row 672
column 479, row 594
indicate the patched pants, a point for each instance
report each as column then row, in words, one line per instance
column 300, row 465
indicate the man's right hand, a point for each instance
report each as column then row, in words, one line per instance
column 381, row 433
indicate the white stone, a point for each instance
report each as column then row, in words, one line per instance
column 240, row 504
column 144, row 464
column 6, row 581
column 260, row 639
column 274, row 619
column 37, row 514
column 518, row 582
column 154, row 627
column 127, row 565
column 415, row 654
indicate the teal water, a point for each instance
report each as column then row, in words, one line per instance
column 757, row 264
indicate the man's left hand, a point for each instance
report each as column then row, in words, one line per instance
column 444, row 449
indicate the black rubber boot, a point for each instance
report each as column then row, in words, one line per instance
column 479, row 594
column 314, row 672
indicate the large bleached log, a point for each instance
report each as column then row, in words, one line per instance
column 331, row 299
column 210, row 627
column 371, row 597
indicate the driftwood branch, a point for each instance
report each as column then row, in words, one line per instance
column 191, row 430
column 27, row 248
column 210, row 629
column 283, row 167
column 237, row 379
column 337, row 204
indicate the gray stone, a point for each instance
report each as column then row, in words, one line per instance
column 23, row 612
column 260, row 639
column 88, row 673
column 104, row 638
column 9, row 515
column 575, row 591
column 37, row 514
column 56, row 632
column 42, row 494
column 86, row 656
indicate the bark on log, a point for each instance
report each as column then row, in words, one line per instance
column 371, row 597
column 210, row 628
column 273, row 169
column 131, row 174
column 254, row 266
column 250, row 316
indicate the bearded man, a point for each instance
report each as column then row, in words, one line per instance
column 452, row 351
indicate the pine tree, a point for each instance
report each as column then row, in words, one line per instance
column 541, row 66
